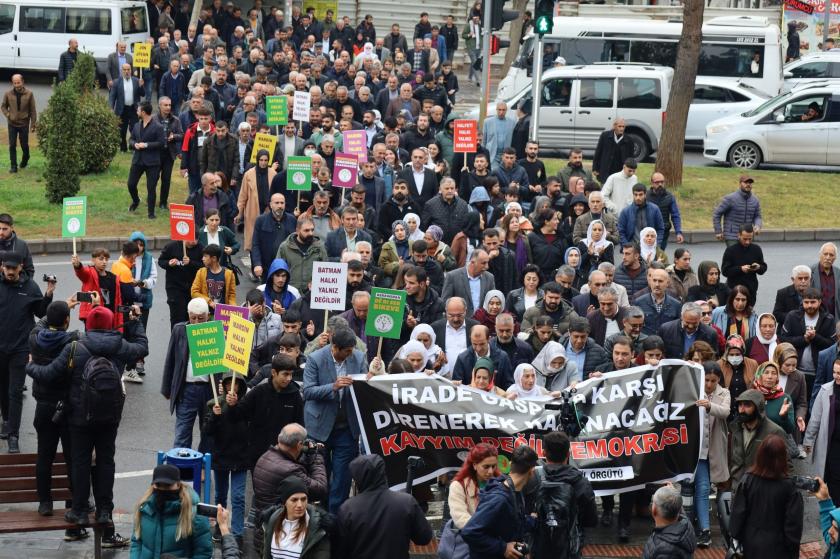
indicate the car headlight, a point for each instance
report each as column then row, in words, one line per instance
column 719, row 129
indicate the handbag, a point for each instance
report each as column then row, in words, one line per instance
column 452, row 544
column 236, row 271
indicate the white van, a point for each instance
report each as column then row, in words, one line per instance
column 34, row 33
column 580, row 102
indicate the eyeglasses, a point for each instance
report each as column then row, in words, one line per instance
column 706, row 313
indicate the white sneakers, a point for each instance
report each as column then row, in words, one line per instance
column 132, row 376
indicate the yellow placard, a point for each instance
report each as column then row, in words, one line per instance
column 142, row 55
column 266, row 142
column 238, row 341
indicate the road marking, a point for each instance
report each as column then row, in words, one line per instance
column 138, row 473
column 63, row 263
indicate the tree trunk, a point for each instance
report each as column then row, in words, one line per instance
column 515, row 35
column 669, row 156
column 196, row 12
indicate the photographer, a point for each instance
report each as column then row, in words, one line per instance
column 829, row 520
column 295, row 456
column 20, row 299
column 46, row 341
column 565, row 502
column 95, row 408
column 498, row 528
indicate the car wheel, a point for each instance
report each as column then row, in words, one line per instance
column 745, row 155
column 641, row 149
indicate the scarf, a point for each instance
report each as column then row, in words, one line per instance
column 521, row 253
column 414, row 346
column 417, row 234
column 772, row 342
column 263, row 188
column 401, row 246
column 603, row 243
column 516, row 388
column 769, row 393
column 648, row 251
column 434, row 350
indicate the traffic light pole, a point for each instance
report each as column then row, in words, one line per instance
column 486, row 31
column 536, row 89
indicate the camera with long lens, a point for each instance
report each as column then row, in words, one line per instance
column 571, row 422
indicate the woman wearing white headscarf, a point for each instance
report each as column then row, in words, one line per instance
column 415, row 353
column 525, row 384
column 435, row 356
column 595, row 248
column 554, row 371
column 367, row 52
column 649, row 247
column 414, row 232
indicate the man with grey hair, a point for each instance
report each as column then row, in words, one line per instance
column 471, row 282
column 453, row 332
column 584, row 303
column 631, row 327
column 242, row 164
column 790, row 298
column 673, row 537
column 497, row 133
column 170, row 151
column 606, row 319
column 517, row 350
column 825, row 276
column 680, row 334
column 447, row 211
column 292, row 456
column 609, row 270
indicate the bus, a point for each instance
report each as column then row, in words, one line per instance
column 745, row 49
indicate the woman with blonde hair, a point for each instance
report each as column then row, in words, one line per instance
column 165, row 520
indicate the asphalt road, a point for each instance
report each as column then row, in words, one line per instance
column 148, row 427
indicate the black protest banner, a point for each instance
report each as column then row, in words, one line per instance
column 644, row 426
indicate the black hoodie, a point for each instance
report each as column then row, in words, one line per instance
column 44, row 345
column 229, row 436
column 674, row 541
column 379, row 523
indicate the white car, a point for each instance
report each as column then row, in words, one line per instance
column 818, row 66
column 715, row 98
column 796, row 127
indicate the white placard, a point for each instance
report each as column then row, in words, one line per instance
column 329, row 286
column 302, row 103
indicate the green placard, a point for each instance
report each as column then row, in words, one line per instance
column 74, row 216
column 299, row 173
column 385, row 314
column 276, row 111
column 207, row 347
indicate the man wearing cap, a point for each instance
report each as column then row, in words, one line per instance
column 101, row 340
column 748, row 430
column 11, row 243
column 187, row 394
column 737, row 209
column 20, row 300
column 618, row 188
column 559, row 62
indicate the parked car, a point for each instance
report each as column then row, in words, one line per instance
column 716, row 98
column 815, row 67
column 796, row 127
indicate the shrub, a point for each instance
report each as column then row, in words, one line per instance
column 99, row 126
column 62, row 171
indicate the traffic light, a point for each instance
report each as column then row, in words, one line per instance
column 497, row 44
column 499, row 15
column 544, row 22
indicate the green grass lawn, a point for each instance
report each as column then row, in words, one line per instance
column 789, row 199
column 22, row 196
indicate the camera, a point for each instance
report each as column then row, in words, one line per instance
column 806, row 483
column 571, row 422
column 522, row 548
column 310, row 447
column 125, row 309
column 58, row 414
column 50, row 278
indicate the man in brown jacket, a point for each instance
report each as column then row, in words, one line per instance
column 19, row 109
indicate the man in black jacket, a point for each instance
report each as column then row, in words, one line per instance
column 447, row 211
column 20, row 300
column 211, row 196
column 378, row 523
column 810, row 330
column 556, row 445
column 517, row 350
column 147, row 140
column 174, row 134
column 422, row 304
column 582, row 350
column 395, row 208
column 743, row 262
column 220, row 152
column 11, row 243
column 612, row 150
column 502, row 262
column 420, row 257
column 96, row 434
column 680, row 334
column 789, row 298
column 180, row 270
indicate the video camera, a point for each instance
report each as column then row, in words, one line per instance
column 571, row 422
column 311, row 447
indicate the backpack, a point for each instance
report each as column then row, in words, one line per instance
column 101, row 391
column 558, row 533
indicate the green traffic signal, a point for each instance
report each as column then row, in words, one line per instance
column 544, row 24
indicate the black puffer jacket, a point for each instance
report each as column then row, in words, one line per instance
column 44, row 345
column 675, row 541
column 548, row 256
column 229, row 436
column 452, row 217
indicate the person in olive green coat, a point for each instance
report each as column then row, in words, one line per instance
column 779, row 406
column 397, row 250
column 165, row 520
column 308, row 525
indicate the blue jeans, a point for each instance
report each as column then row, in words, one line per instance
column 341, row 448
column 236, row 481
column 702, row 485
column 192, row 404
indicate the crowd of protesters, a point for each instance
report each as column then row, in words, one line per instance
column 518, row 283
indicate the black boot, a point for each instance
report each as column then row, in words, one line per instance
column 4, row 431
column 25, row 161
column 14, row 447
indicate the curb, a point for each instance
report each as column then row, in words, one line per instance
column 697, row 236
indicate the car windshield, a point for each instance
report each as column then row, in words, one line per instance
column 777, row 100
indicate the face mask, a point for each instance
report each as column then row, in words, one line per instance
column 746, row 417
column 163, row 496
column 308, row 152
column 735, row 360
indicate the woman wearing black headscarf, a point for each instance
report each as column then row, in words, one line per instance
column 255, row 194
